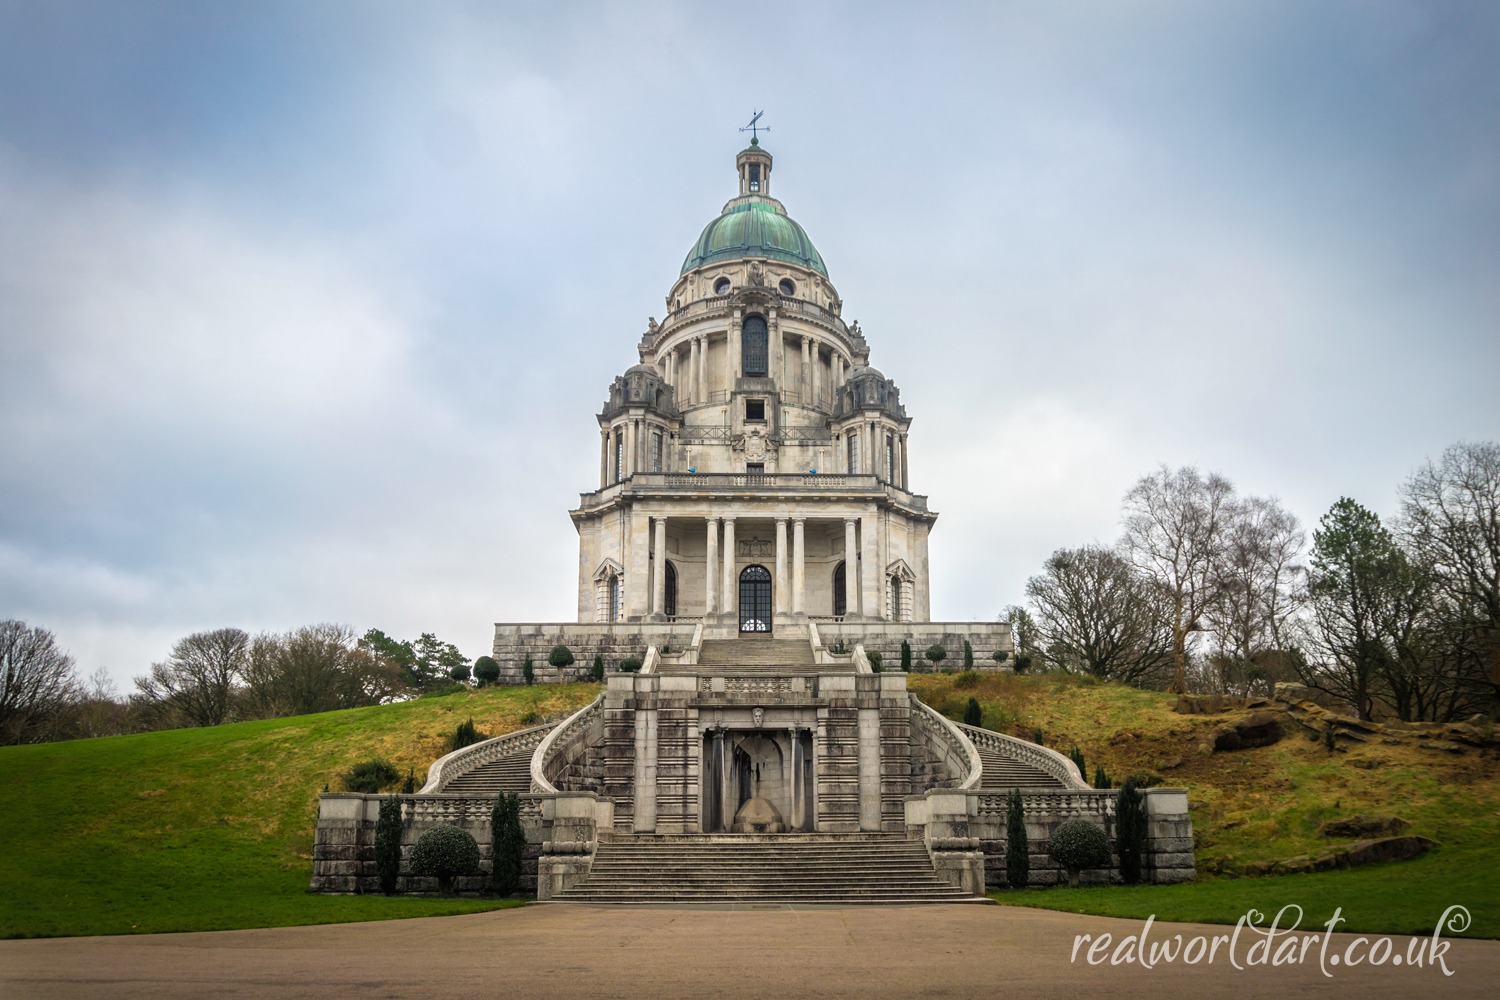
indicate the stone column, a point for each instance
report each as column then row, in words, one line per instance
column 904, row 482
column 804, row 386
column 817, row 374
column 604, row 458
column 799, row 565
column 781, row 581
column 788, row 780
column 671, row 373
column 773, row 348
column 851, row 569
column 702, row 390
column 869, row 770
column 711, row 570
column 869, row 586
column 629, row 468
column 731, row 601
column 732, row 342
column 659, row 571
column 692, row 372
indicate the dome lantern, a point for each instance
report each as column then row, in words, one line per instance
column 754, row 165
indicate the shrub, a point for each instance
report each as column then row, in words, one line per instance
column 370, row 776
column 527, row 673
column 936, row 654
column 409, row 786
column 443, row 691
column 460, row 672
column 598, row 667
column 967, row 679
column 1036, row 738
column 1023, row 664
column 388, row 845
column 874, row 659
column 530, row 718
column 968, row 655
column 905, row 656
column 1101, row 778
column 445, row 853
column 973, row 714
column 1079, row 844
column 561, row 656
column 630, row 665
column 1328, row 738
column 838, row 647
column 486, row 670
column 1130, row 830
column 999, row 656
column 1017, row 845
column 507, row 842
column 1076, row 756
column 466, row 735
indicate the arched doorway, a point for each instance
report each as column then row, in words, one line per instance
column 840, row 592
column 755, row 599
column 669, row 599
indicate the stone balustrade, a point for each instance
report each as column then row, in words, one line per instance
column 560, row 742
column 461, row 761
column 1039, row 757
column 963, row 759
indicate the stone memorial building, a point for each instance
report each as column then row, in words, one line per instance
column 752, row 540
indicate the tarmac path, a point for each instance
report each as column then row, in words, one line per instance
column 622, row 953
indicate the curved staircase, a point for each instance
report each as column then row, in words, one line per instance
column 1007, row 772
column 504, row 774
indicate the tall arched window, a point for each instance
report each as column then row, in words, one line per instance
column 614, row 598
column 895, row 615
column 753, row 350
column 840, row 598
column 670, row 598
column 755, row 599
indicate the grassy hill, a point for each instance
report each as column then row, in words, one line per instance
column 208, row 829
column 211, row 829
column 1263, row 804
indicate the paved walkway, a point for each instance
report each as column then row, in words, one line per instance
column 566, row 951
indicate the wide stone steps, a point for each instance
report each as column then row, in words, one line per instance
column 506, row 774
column 755, row 653
column 800, row 869
column 1000, row 771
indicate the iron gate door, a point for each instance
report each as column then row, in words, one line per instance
column 755, row 599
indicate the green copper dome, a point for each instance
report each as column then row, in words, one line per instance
column 754, row 227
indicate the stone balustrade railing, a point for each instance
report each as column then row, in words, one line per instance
column 1062, row 803
column 462, row 761
column 556, row 740
column 1039, row 757
column 936, row 724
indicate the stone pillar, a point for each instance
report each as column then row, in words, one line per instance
column 692, row 374
column 817, row 374
column 869, row 576
column 645, row 770
column 671, row 373
column 731, row 601
column 659, row 571
column 869, row 770
column 799, row 565
column 804, row 386
column 851, row 569
column 732, row 344
column 788, row 774
column 773, row 348
column 638, row 569
column 711, row 569
column 604, row 458
column 781, row 580
column 629, row 465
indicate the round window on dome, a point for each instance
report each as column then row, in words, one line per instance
column 721, row 287
column 787, row 288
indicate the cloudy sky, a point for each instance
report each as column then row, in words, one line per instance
column 305, row 307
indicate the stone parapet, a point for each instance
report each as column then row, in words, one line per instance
column 885, row 638
column 516, row 641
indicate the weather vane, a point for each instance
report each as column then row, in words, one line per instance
column 754, row 129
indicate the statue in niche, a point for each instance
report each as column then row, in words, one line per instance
column 757, row 275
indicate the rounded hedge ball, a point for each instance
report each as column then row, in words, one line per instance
column 445, row 852
column 1079, row 844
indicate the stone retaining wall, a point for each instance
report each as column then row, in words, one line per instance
column 885, row 638
column 514, row 642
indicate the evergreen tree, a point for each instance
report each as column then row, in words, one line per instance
column 1101, row 779
column 507, row 842
column 973, row 714
column 905, row 656
column 388, row 844
column 1130, row 830
column 1077, row 757
column 598, row 668
column 968, row 655
column 527, row 672
column 1017, row 845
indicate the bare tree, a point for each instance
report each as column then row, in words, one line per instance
column 1257, row 592
column 316, row 669
column 1450, row 517
column 1096, row 615
column 1175, row 524
column 36, row 681
column 197, row 680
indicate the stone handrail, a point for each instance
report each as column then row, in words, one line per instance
column 466, row 759
column 548, row 747
column 934, row 721
column 1026, row 752
column 652, row 663
column 861, row 661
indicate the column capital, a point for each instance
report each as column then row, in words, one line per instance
column 799, row 520
column 852, row 518
column 783, row 518
column 806, row 340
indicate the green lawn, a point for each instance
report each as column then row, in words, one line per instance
column 212, row 829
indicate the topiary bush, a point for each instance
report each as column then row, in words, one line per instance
column 1079, row 844
column 460, row 672
column 486, row 670
column 388, row 845
column 1017, row 844
column 370, row 776
column 507, row 842
column 466, row 735
column 967, row 679
column 1101, row 778
column 973, row 714
column 999, row 656
column 968, row 655
column 1130, row 831
column 874, row 659
column 905, row 656
column 936, row 654
column 445, row 853
column 409, row 786
column 598, row 668
column 630, row 665
column 528, row 673
column 561, row 656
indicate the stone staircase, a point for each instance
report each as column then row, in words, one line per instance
column 1001, row 771
column 782, row 656
column 506, row 774
column 796, row 868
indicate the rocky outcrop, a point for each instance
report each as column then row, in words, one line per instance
column 1363, row 825
column 1363, row 852
column 1258, row 729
